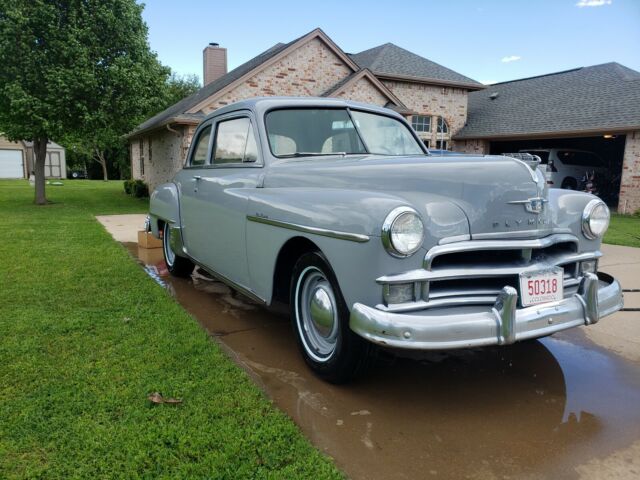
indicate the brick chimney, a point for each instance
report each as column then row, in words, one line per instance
column 214, row 62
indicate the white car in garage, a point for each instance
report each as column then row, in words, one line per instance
column 566, row 167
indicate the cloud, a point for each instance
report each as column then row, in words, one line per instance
column 593, row 3
column 510, row 58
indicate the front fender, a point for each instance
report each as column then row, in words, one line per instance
column 567, row 207
column 164, row 205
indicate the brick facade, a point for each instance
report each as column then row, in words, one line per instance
column 364, row 91
column 308, row 71
column 447, row 102
column 479, row 146
column 630, row 181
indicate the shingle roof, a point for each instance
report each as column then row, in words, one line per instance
column 602, row 97
column 389, row 59
column 178, row 110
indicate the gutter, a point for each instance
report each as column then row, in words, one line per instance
column 164, row 124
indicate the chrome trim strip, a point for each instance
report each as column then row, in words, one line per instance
column 454, row 238
column 518, row 234
column 352, row 237
column 495, row 245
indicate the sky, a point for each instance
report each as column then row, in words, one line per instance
column 489, row 41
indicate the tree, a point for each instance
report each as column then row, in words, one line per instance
column 178, row 87
column 80, row 71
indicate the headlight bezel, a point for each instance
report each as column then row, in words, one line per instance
column 387, row 229
column 587, row 214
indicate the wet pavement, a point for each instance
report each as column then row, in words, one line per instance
column 561, row 407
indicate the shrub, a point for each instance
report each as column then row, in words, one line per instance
column 139, row 189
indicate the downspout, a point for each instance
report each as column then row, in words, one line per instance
column 172, row 130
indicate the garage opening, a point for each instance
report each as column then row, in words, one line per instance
column 610, row 148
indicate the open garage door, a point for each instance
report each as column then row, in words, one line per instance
column 11, row 164
column 610, row 148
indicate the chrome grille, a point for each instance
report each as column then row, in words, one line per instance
column 474, row 272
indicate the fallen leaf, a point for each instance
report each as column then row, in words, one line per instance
column 158, row 399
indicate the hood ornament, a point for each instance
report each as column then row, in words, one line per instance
column 532, row 205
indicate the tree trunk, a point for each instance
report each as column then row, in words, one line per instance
column 103, row 163
column 40, row 150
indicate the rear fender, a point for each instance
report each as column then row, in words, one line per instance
column 164, row 206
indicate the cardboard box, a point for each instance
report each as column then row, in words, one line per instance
column 147, row 240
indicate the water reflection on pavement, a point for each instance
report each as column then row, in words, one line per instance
column 555, row 408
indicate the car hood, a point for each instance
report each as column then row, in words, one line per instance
column 492, row 191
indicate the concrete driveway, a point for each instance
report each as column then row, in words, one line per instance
column 562, row 407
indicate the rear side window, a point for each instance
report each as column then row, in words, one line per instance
column 235, row 142
column 579, row 158
column 201, row 148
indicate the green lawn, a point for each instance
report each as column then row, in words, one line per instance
column 624, row 230
column 85, row 336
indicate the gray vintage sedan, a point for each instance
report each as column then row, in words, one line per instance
column 337, row 209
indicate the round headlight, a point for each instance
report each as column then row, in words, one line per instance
column 595, row 219
column 402, row 232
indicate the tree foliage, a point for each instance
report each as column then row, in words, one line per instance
column 80, row 72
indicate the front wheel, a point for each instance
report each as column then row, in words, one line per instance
column 320, row 320
column 177, row 266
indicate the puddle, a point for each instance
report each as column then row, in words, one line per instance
column 545, row 409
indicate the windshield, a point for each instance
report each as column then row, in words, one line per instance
column 324, row 131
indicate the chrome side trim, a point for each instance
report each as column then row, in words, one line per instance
column 352, row 237
column 495, row 245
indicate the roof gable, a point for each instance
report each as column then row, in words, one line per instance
column 390, row 60
column 187, row 110
column 598, row 98
column 365, row 74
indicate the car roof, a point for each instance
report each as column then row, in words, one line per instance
column 260, row 105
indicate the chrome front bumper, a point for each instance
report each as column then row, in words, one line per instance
column 501, row 324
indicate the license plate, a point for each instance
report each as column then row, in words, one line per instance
column 541, row 286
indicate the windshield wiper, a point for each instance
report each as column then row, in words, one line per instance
column 312, row 154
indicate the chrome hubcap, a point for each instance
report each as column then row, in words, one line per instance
column 169, row 255
column 317, row 314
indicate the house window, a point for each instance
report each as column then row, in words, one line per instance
column 442, row 126
column 442, row 145
column 141, row 155
column 421, row 123
column 150, row 151
column 427, row 143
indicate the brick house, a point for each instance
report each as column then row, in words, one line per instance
column 592, row 108
column 433, row 96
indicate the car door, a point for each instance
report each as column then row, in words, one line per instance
column 194, row 232
column 223, row 193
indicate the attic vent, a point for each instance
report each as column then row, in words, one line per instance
column 494, row 95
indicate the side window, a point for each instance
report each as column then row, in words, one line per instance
column 199, row 155
column 235, row 142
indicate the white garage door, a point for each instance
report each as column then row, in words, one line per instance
column 11, row 164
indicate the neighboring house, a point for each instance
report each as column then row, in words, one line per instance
column 312, row 65
column 591, row 108
column 17, row 159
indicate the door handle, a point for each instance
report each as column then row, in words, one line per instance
column 197, row 177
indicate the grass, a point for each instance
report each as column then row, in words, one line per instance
column 85, row 336
column 624, row 230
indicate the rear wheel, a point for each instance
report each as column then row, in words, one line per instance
column 178, row 266
column 320, row 320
